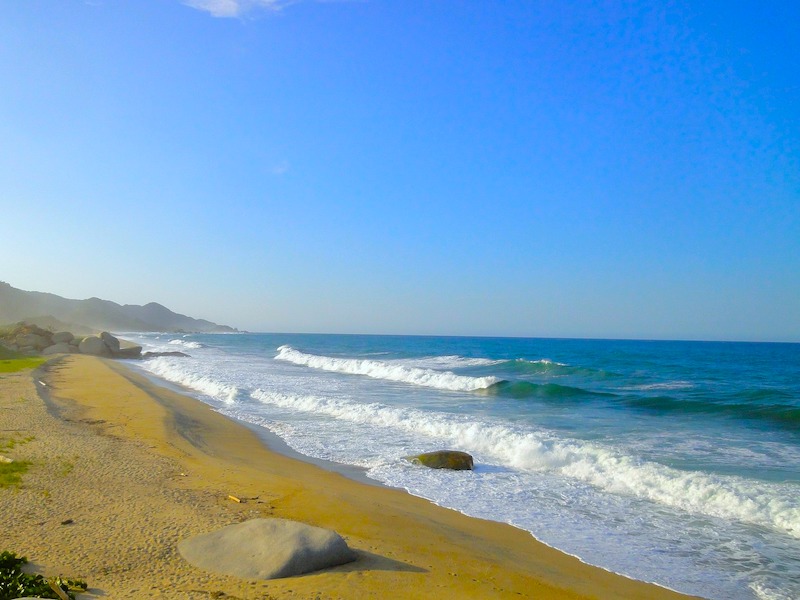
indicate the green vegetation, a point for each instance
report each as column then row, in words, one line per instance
column 11, row 362
column 11, row 473
column 14, row 583
column 66, row 468
column 13, row 442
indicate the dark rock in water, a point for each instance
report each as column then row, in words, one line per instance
column 267, row 549
column 157, row 354
column 444, row 459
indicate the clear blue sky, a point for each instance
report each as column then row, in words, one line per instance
column 531, row 168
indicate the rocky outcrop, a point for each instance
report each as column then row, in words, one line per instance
column 27, row 338
column 158, row 354
column 266, row 549
column 110, row 341
column 129, row 352
column 107, row 345
column 31, row 339
column 59, row 348
column 95, row 346
column 63, row 336
column 444, row 459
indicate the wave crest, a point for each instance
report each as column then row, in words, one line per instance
column 442, row 380
column 166, row 368
column 186, row 344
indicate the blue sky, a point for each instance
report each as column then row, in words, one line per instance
column 606, row 169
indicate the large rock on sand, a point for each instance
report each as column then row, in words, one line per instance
column 32, row 340
column 266, row 549
column 63, row 336
column 444, row 459
column 132, row 351
column 95, row 346
column 110, row 341
column 59, row 348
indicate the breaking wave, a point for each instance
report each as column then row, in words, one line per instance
column 386, row 370
column 545, row 366
column 446, row 362
column 186, row 344
column 728, row 497
column 169, row 370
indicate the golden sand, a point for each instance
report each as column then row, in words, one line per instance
column 133, row 468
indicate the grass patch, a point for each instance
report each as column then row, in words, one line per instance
column 13, row 442
column 66, row 468
column 14, row 583
column 11, row 362
column 11, row 473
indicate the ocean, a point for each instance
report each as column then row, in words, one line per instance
column 676, row 463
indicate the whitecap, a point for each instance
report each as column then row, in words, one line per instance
column 171, row 370
column 443, row 380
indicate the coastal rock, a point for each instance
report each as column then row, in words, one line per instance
column 266, row 549
column 95, row 346
column 110, row 341
column 63, row 336
column 444, row 459
column 60, row 348
column 157, row 354
column 33, row 340
column 129, row 352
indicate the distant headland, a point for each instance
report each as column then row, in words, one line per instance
column 94, row 315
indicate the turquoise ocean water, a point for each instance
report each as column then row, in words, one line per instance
column 671, row 462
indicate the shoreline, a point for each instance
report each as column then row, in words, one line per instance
column 271, row 440
column 186, row 459
column 274, row 443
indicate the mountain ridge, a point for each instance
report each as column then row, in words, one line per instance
column 96, row 313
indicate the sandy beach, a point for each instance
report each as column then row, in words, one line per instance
column 122, row 469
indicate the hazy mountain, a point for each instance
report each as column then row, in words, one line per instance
column 94, row 313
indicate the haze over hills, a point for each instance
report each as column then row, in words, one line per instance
column 94, row 313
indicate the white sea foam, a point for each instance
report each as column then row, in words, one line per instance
column 443, row 380
column 727, row 497
column 541, row 361
column 765, row 592
column 186, row 344
column 172, row 370
column 445, row 362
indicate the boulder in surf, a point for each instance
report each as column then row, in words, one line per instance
column 444, row 459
